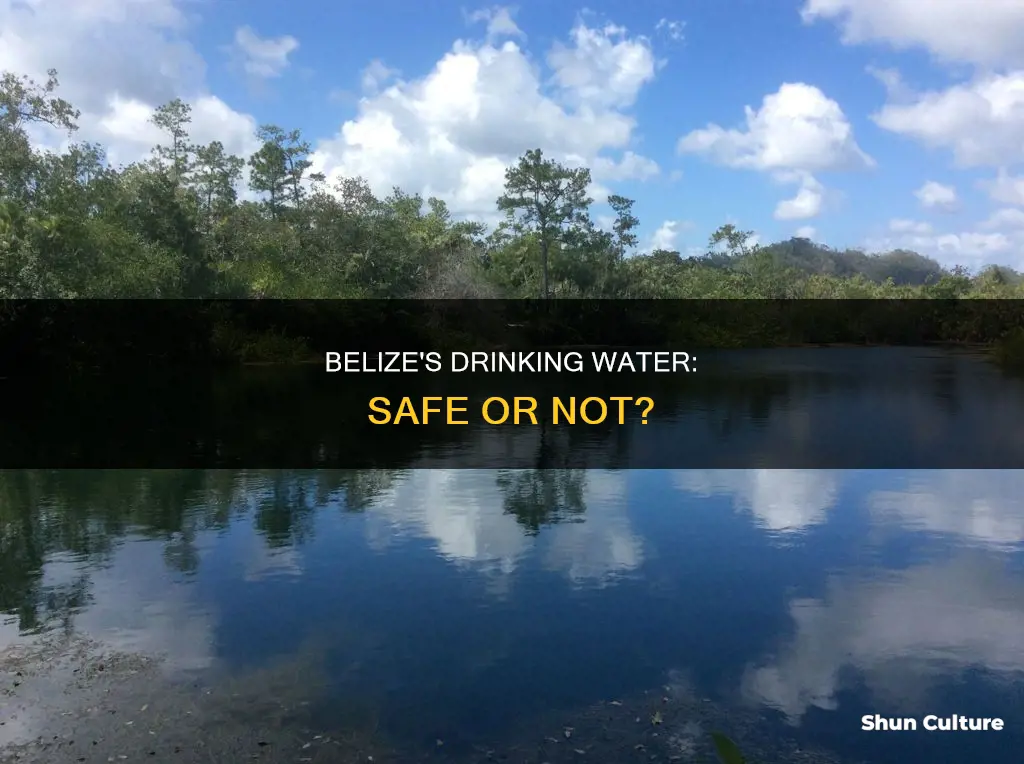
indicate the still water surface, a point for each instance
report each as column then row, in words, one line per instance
column 451, row 612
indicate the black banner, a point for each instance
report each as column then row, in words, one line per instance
column 597, row 384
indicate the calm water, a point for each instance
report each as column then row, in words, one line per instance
column 812, row 408
column 484, row 608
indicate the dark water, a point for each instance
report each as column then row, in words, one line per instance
column 489, row 609
column 811, row 408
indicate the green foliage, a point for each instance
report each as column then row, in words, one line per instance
column 181, row 225
column 548, row 199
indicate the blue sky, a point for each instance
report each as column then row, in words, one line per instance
column 868, row 123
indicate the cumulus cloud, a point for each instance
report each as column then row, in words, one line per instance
column 1006, row 188
column 806, row 204
column 1006, row 218
column 117, row 60
column 806, row 232
column 999, row 239
column 667, row 234
column 128, row 132
column 631, row 166
column 933, row 195
column 263, row 57
column 783, row 501
column 601, row 68
column 499, row 22
column 797, row 128
column 891, row 80
column 797, row 132
column 375, row 75
column 140, row 54
column 969, row 248
column 984, row 32
column 980, row 121
column 453, row 132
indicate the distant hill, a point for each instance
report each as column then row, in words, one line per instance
column 904, row 267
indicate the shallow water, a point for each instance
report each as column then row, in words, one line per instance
column 447, row 613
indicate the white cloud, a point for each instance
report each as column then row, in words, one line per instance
column 797, row 128
column 128, row 131
column 806, row 204
column 979, row 121
column 891, row 80
column 672, row 29
column 631, row 166
column 117, row 60
column 1006, row 188
column 969, row 248
column 667, row 235
column 134, row 49
column 933, row 195
column 806, row 232
column 798, row 131
column 984, row 32
column 263, row 57
column 499, row 22
column 601, row 68
column 780, row 500
column 1006, row 218
column 375, row 75
column 453, row 132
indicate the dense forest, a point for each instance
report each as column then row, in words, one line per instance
column 194, row 221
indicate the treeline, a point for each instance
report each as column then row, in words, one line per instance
column 194, row 221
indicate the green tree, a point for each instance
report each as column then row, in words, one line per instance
column 625, row 223
column 545, row 198
column 73, row 226
column 734, row 242
column 174, row 118
column 279, row 167
column 215, row 176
